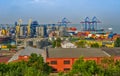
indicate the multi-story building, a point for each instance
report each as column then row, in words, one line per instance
column 41, row 31
column 21, row 31
column 62, row 59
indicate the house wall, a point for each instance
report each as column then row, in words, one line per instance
column 117, row 58
column 23, row 58
column 60, row 63
column 60, row 66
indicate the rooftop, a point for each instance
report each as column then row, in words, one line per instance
column 75, row 52
column 112, row 51
column 29, row 50
column 4, row 59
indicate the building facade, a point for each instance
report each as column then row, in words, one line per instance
column 62, row 59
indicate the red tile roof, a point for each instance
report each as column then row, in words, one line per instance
column 4, row 59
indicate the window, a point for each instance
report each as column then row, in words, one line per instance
column 67, row 62
column 66, row 69
column 53, row 62
column 54, row 70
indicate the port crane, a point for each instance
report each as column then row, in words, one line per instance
column 64, row 22
column 90, row 25
column 95, row 21
column 4, row 29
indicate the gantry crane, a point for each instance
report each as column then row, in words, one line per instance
column 90, row 25
column 94, row 23
column 4, row 32
column 64, row 22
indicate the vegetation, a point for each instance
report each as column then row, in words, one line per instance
column 56, row 43
column 35, row 66
column 95, row 45
column 108, row 67
column 81, row 43
column 117, row 42
column 85, row 68
column 73, row 39
column 11, row 46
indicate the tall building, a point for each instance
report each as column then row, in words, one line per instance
column 21, row 31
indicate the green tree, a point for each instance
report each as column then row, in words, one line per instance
column 85, row 68
column 111, row 67
column 57, row 43
column 95, row 45
column 34, row 67
column 9, row 46
column 81, row 43
column 3, row 69
column 117, row 42
column 73, row 39
column 38, row 62
column 54, row 44
column 17, row 68
column 33, row 58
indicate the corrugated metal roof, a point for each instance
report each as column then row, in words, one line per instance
column 75, row 52
column 29, row 50
column 112, row 51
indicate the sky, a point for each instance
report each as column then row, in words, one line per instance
column 52, row 11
